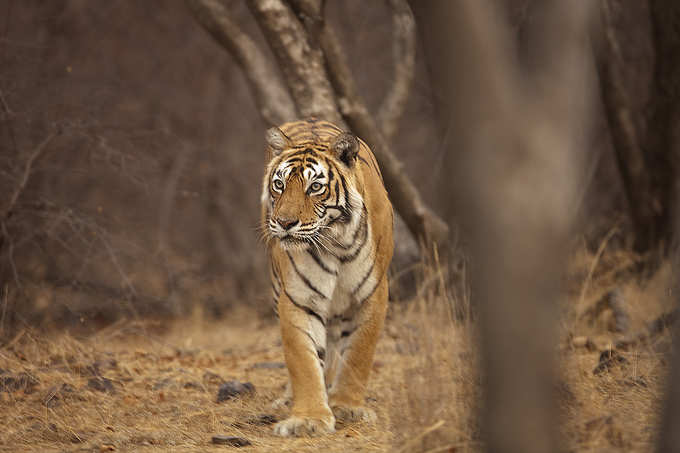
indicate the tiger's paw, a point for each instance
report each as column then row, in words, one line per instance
column 303, row 426
column 350, row 414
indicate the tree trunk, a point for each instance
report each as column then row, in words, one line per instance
column 513, row 167
column 649, row 164
column 321, row 84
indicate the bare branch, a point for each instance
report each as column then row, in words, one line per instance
column 404, row 58
column 301, row 62
column 28, row 166
column 271, row 97
column 421, row 221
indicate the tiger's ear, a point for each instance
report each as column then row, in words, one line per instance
column 346, row 147
column 276, row 140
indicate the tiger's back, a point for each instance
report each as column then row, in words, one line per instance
column 329, row 225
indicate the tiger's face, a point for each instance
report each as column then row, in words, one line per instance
column 308, row 190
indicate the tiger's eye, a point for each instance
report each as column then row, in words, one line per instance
column 315, row 187
column 278, row 184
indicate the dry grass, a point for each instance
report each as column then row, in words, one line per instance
column 425, row 386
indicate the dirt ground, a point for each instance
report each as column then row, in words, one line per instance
column 153, row 386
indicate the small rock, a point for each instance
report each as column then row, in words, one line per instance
column 101, row 384
column 21, row 381
column 608, row 359
column 232, row 389
column 262, row 420
column 231, row 441
column 162, row 384
column 104, row 364
column 269, row 365
column 193, row 385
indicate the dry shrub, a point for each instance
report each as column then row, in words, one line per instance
column 435, row 334
column 425, row 387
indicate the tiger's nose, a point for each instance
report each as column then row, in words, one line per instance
column 287, row 224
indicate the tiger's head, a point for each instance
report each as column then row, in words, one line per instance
column 309, row 190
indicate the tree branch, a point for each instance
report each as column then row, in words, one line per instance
column 271, row 97
column 421, row 221
column 302, row 64
column 404, row 58
column 26, row 175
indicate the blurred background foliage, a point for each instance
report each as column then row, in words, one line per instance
column 145, row 197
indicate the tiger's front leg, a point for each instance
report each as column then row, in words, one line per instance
column 303, row 336
column 346, row 395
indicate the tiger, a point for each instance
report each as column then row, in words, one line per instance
column 328, row 227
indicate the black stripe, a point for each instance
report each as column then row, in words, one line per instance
column 275, row 272
column 337, row 192
column 299, row 153
column 372, row 290
column 331, row 126
column 296, row 129
column 347, row 333
column 308, row 336
column 294, row 159
column 365, row 161
column 306, row 309
column 363, row 280
column 364, row 240
column 328, row 193
column 303, row 278
column 321, row 353
column 363, row 222
column 320, row 262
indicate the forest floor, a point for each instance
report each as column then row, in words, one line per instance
column 151, row 386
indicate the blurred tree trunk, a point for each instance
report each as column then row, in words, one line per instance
column 649, row 161
column 319, row 80
column 513, row 167
column 669, row 437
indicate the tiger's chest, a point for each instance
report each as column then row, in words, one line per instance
column 336, row 280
